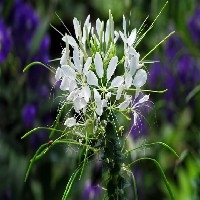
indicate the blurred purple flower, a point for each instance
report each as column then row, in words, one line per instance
column 194, row 26
column 186, row 70
column 91, row 192
column 28, row 115
column 171, row 86
column 42, row 53
column 155, row 75
column 35, row 140
column 25, row 21
column 38, row 73
column 173, row 46
column 5, row 41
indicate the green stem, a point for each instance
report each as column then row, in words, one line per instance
column 113, row 160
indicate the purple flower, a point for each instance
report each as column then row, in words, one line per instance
column 28, row 115
column 155, row 75
column 25, row 22
column 194, row 26
column 186, row 69
column 37, row 139
column 173, row 46
column 5, row 41
column 42, row 54
column 91, row 192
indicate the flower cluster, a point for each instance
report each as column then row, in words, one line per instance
column 94, row 79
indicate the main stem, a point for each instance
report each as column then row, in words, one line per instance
column 113, row 160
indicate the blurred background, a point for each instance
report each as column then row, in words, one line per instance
column 27, row 100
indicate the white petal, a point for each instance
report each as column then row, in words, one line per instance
column 70, row 122
column 108, row 95
column 116, row 36
column 99, row 109
column 132, row 37
column 76, row 59
column 123, row 37
column 98, row 65
column 91, row 78
column 86, row 93
column 73, row 95
column 142, row 100
column 86, row 29
column 133, row 64
column 135, row 116
column 119, row 91
column 98, row 26
column 79, row 103
column 124, row 25
column 140, row 78
column 97, row 96
column 65, row 84
column 132, row 51
column 87, row 22
column 107, row 33
column 128, row 80
column 76, row 27
column 87, row 65
column 68, row 72
column 72, row 41
column 100, row 105
column 111, row 67
column 63, row 60
column 73, row 85
column 58, row 74
column 125, row 103
column 117, row 81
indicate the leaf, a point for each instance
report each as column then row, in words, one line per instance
column 161, row 172
column 38, row 63
column 70, row 183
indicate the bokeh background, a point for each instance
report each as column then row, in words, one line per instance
column 27, row 100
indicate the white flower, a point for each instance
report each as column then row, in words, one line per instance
column 89, row 78
column 100, row 103
column 129, row 40
column 70, row 122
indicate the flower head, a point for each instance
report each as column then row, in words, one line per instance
column 88, row 77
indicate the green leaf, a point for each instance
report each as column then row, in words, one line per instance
column 38, row 63
column 160, row 170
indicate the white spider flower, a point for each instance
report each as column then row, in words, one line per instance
column 70, row 122
column 88, row 77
